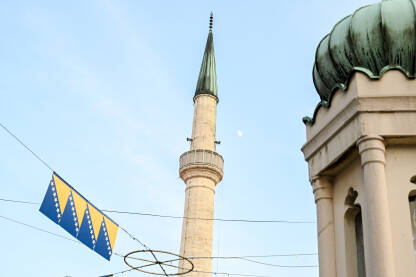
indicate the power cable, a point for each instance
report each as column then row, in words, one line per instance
column 150, row 214
column 211, row 219
column 180, row 217
column 19, row 201
column 243, row 259
column 66, row 238
column 147, row 248
column 38, row 229
column 142, row 214
column 50, row 168
column 27, row 147
column 157, row 262
column 277, row 265
column 258, row 256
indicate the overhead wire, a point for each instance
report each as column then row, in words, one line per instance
column 245, row 258
column 65, row 238
column 145, row 246
column 27, row 147
column 37, row 228
column 127, row 270
column 50, row 168
column 142, row 214
column 179, row 217
column 149, row 214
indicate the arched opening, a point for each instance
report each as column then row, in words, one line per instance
column 412, row 206
column 354, row 237
column 359, row 241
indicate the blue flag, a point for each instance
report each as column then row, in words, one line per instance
column 69, row 209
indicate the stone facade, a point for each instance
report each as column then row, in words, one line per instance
column 361, row 154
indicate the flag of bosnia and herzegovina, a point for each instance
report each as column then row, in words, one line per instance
column 69, row 209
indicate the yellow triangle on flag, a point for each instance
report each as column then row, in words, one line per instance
column 80, row 206
column 112, row 230
column 96, row 219
column 62, row 190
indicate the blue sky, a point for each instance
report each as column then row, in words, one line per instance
column 102, row 90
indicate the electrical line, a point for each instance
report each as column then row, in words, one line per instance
column 258, row 256
column 59, row 236
column 180, row 217
column 144, row 214
column 149, row 214
column 38, row 229
column 211, row 219
column 277, row 265
column 221, row 273
column 236, row 258
column 217, row 257
column 147, row 248
column 27, row 147
column 19, row 201
column 157, row 262
column 69, row 239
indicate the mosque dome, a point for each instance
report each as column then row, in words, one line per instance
column 373, row 40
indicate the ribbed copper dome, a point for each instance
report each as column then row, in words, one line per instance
column 373, row 40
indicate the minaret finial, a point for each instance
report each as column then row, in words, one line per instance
column 211, row 21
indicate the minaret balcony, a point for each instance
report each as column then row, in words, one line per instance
column 200, row 161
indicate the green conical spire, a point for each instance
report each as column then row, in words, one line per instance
column 207, row 80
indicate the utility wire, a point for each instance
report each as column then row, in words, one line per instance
column 277, row 265
column 157, row 262
column 19, row 201
column 142, row 214
column 27, row 147
column 258, row 256
column 147, row 248
column 69, row 239
column 148, row 214
column 179, row 217
column 217, row 257
column 211, row 219
column 37, row 228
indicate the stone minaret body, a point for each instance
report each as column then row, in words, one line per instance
column 361, row 143
column 201, row 169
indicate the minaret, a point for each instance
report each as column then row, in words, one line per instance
column 201, row 168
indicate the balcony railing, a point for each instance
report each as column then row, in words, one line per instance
column 201, row 157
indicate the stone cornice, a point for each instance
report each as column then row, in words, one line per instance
column 386, row 108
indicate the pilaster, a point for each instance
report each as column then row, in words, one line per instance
column 376, row 213
column 323, row 192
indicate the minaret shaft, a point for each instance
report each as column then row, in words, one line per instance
column 197, row 235
column 201, row 169
column 203, row 127
column 201, row 178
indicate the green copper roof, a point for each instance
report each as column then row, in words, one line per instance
column 373, row 40
column 207, row 80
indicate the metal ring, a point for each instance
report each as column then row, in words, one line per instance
column 160, row 263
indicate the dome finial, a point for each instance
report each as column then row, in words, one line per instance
column 211, row 21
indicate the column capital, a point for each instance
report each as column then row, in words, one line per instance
column 371, row 149
column 322, row 187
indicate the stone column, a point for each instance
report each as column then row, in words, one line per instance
column 197, row 234
column 378, row 247
column 201, row 169
column 322, row 189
